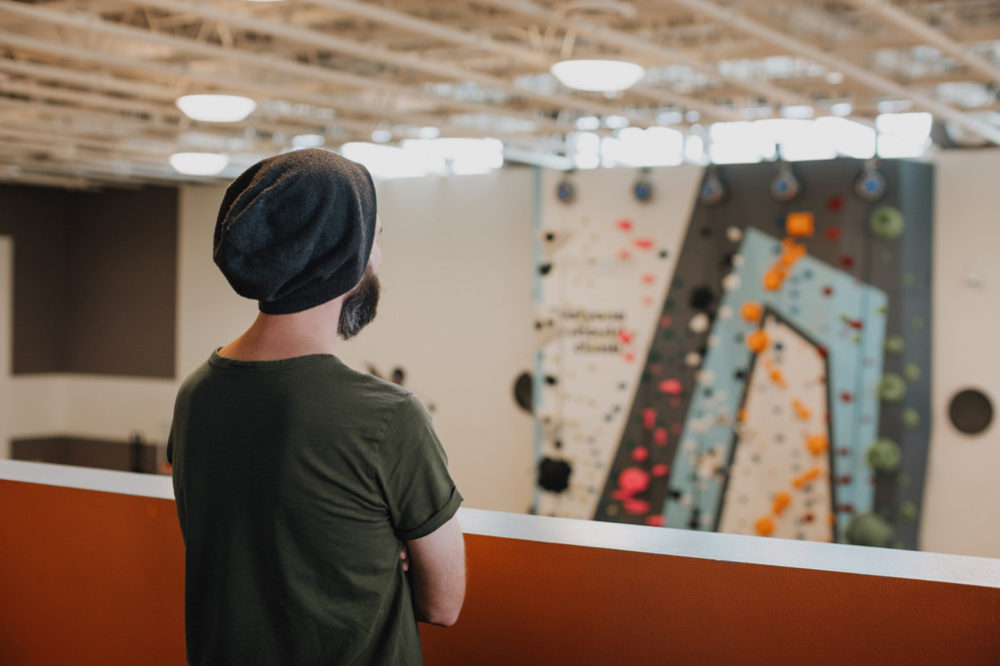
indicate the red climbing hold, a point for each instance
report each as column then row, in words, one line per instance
column 660, row 436
column 633, row 480
column 660, row 469
column 640, row 454
column 648, row 418
column 847, row 261
column 833, row 234
column 655, row 521
column 624, row 224
column 644, row 243
column 670, row 386
column 835, row 203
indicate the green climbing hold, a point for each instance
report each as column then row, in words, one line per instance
column 908, row 511
column 867, row 529
column 912, row 372
column 917, row 323
column 891, row 388
column 903, row 480
column 895, row 344
column 886, row 223
column 884, row 456
column 911, row 418
column 909, row 279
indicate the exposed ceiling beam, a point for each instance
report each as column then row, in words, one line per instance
column 536, row 59
column 662, row 55
column 849, row 69
column 929, row 35
column 259, row 61
column 406, row 61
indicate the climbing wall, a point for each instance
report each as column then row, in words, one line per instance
column 781, row 386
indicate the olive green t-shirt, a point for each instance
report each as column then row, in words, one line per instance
column 296, row 483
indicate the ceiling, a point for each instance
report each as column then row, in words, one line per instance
column 87, row 87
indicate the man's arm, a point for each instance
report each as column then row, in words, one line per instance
column 436, row 564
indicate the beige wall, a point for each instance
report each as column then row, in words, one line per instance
column 963, row 476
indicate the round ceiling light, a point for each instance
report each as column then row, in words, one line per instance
column 216, row 108
column 198, row 164
column 597, row 75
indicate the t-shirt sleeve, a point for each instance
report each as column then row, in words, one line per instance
column 413, row 471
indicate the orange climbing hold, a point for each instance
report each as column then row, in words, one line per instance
column 799, row 225
column 818, row 444
column 778, row 378
column 764, row 526
column 757, row 341
column 781, row 502
column 801, row 410
column 793, row 252
column 806, row 477
column 752, row 312
column 773, row 279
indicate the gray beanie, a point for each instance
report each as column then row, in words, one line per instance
column 296, row 230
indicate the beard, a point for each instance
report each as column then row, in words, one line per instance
column 360, row 306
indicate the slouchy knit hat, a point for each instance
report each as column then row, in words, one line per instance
column 296, row 230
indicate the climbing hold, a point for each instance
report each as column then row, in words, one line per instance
column 895, row 344
column 799, row 225
column 553, row 475
column 751, row 312
column 911, row 372
column 867, row 529
column 702, row 298
column 734, row 234
column 670, row 387
column 699, row 323
column 886, row 223
column 818, row 444
column 781, row 502
column 908, row 511
column 801, row 410
column 764, row 526
column 633, row 480
column 757, row 341
column 773, row 280
column 884, row 456
column 806, row 477
column 891, row 388
column 911, row 418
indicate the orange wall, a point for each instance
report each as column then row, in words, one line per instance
column 97, row 578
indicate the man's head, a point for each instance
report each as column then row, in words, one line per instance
column 298, row 230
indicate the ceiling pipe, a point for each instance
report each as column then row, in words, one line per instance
column 920, row 29
column 848, row 69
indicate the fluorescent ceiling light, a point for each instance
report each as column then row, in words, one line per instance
column 587, row 123
column 216, row 108
column 597, row 75
column 391, row 162
column 381, row 136
column 198, row 164
column 841, row 109
column 307, row 140
column 634, row 147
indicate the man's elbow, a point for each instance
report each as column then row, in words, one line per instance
column 442, row 614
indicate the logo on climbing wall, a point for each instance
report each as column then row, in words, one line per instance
column 594, row 331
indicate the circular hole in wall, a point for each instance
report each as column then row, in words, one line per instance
column 970, row 411
column 523, row 390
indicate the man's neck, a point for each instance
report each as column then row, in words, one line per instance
column 276, row 337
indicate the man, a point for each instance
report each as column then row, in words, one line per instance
column 318, row 515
